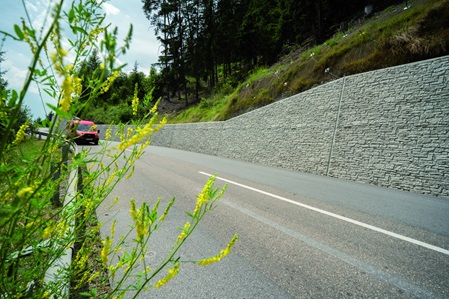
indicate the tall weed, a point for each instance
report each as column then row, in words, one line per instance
column 34, row 229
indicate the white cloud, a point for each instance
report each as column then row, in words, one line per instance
column 15, row 76
column 110, row 9
column 31, row 6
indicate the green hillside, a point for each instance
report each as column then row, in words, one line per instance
column 395, row 36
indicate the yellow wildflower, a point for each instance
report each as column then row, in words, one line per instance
column 171, row 273
column 93, row 276
column 129, row 132
column 141, row 219
column 141, row 134
column 133, row 210
column 204, row 196
column 67, row 89
column 108, row 83
column 89, row 206
column 110, row 179
column 77, row 85
column 135, row 101
column 81, row 260
column 113, row 228
column 107, row 243
column 48, row 231
column 108, row 133
column 221, row 255
column 21, row 133
column 93, row 35
column 184, row 232
column 154, row 109
column 24, row 191
column 130, row 174
column 62, row 228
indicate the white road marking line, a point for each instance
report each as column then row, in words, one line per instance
column 362, row 224
column 397, row 281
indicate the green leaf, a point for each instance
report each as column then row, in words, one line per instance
column 40, row 73
column 77, row 29
column 50, row 93
column 71, row 15
column 13, row 99
column 85, row 294
column 32, row 33
column 59, row 112
column 18, row 32
column 8, row 34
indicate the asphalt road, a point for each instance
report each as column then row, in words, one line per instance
column 301, row 235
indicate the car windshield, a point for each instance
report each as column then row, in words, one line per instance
column 86, row 128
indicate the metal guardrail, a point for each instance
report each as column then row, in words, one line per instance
column 58, row 274
column 38, row 134
column 60, row 269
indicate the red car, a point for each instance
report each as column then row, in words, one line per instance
column 83, row 131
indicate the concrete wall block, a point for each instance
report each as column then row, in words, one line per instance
column 405, row 129
column 391, row 130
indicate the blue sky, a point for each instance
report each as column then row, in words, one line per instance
column 120, row 13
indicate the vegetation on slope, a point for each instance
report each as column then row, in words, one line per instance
column 394, row 36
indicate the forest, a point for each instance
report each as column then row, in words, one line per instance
column 210, row 44
column 203, row 39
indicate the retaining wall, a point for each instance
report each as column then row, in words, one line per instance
column 388, row 127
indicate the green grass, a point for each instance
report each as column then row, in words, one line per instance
column 27, row 149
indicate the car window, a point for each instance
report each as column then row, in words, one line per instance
column 86, row 128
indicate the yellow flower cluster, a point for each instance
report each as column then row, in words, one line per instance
column 110, row 179
column 135, row 101
column 81, row 259
column 141, row 133
column 113, row 228
column 141, row 220
column 24, row 191
column 221, row 255
column 89, row 205
column 77, row 86
column 93, row 35
column 70, row 83
column 21, row 133
column 129, row 132
column 107, row 243
column 93, row 276
column 108, row 133
column 60, row 228
column 108, row 83
column 52, row 149
column 203, row 197
column 184, row 232
column 171, row 273
column 48, row 231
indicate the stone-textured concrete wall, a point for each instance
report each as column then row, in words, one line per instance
column 393, row 128
column 388, row 127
